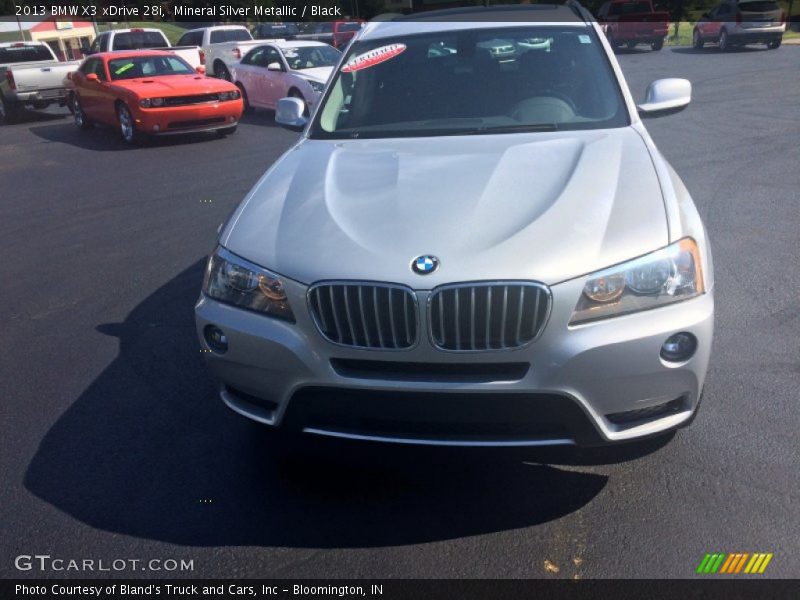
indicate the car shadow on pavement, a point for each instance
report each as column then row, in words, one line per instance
column 104, row 139
column 25, row 117
column 261, row 117
column 148, row 450
column 714, row 50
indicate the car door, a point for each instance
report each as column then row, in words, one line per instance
column 86, row 89
column 706, row 25
column 725, row 14
column 105, row 108
column 249, row 74
column 273, row 81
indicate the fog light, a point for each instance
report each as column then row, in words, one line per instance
column 215, row 339
column 679, row 347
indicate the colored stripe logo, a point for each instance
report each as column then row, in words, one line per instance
column 736, row 563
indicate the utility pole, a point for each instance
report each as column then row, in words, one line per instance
column 19, row 24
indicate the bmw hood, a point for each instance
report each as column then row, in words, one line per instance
column 543, row 206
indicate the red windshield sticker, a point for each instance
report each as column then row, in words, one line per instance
column 373, row 57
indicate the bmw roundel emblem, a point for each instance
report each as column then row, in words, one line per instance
column 425, row 264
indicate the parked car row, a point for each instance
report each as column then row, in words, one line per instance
column 731, row 23
column 147, row 93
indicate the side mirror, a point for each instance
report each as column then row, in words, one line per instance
column 666, row 96
column 92, row 77
column 201, row 69
column 274, row 66
column 289, row 114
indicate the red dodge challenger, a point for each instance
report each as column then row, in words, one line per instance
column 151, row 92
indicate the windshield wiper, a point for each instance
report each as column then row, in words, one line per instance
column 513, row 128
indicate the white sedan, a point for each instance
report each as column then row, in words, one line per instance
column 279, row 69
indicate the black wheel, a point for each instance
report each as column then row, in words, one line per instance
column 8, row 112
column 697, row 40
column 631, row 45
column 774, row 44
column 226, row 131
column 293, row 93
column 657, row 45
column 82, row 122
column 127, row 127
column 221, row 71
column 245, row 99
column 724, row 44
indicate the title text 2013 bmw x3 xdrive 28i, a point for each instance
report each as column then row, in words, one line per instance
column 467, row 247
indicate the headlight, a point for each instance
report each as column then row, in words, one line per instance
column 316, row 86
column 233, row 280
column 154, row 102
column 223, row 96
column 665, row 276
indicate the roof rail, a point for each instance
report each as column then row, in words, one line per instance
column 578, row 9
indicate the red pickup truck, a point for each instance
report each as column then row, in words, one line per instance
column 632, row 22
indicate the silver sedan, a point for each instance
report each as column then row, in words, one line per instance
column 465, row 250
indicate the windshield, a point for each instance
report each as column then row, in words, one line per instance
column 230, row 35
column 139, row 40
column 308, row 57
column 148, row 66
column 472, row 81
column 13, row 54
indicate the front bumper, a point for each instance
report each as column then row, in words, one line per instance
column 569, row 386
column 187, row 119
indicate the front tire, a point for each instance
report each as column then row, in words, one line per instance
column 657, row 45
column 127, row 127
column 245, row 99
column 724, row 43
column 82, row 122
column 697, row 40
column 774, row 44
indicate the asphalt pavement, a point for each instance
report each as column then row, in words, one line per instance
column 115, row 446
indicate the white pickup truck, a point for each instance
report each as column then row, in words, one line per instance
column 30, row 76
column 142, row 39
column 222, row 46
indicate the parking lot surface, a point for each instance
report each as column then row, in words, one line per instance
column 114, row 444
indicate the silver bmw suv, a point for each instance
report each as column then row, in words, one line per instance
column 467, row 247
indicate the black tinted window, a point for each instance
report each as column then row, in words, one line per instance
column 759, row 6
column 229, row 35
column 24, row 54
column 630, row 8
column 276, row 31
column 138, row 40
